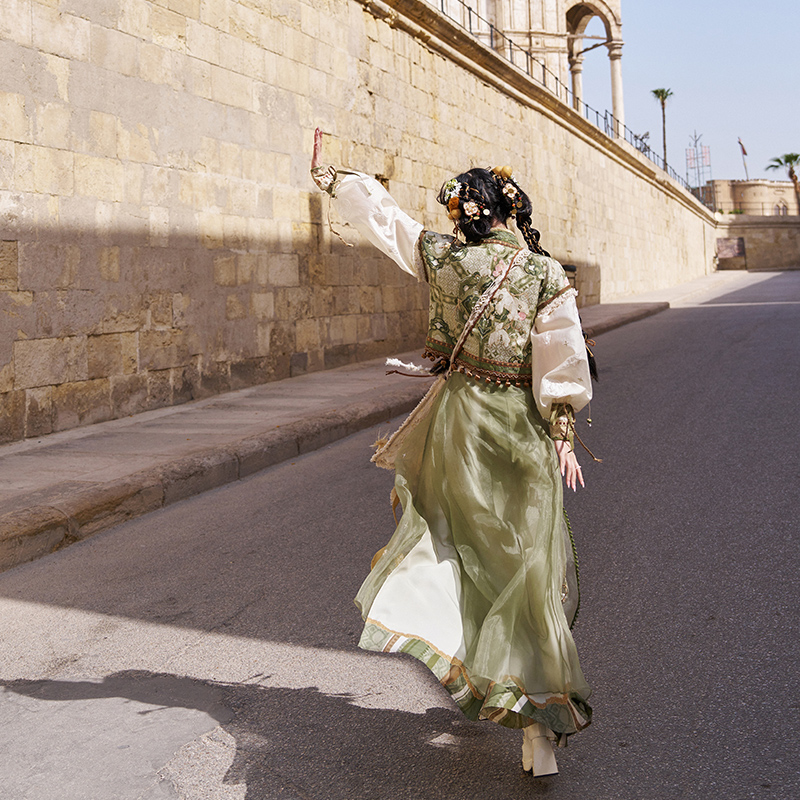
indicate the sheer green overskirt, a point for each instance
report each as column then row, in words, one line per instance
column 480, row 548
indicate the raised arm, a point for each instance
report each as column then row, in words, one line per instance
column 371, row 210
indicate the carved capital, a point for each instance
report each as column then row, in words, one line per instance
column 615, row 49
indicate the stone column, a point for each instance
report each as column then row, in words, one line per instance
column 618, row 104
column 576, row 71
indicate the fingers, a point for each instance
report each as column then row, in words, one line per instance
column 317, row 154
column 574, row 473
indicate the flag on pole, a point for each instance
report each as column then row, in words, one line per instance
column 744, row 152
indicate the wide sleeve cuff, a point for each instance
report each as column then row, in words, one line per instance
column 562, row 423
column 372, row 211
column 559, row 364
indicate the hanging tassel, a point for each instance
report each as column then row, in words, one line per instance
column 594, row 457
column 333, row 230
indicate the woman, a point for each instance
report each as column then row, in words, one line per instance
column 472, row 583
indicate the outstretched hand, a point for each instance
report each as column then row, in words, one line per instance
column 568, row 463
column 317, row 154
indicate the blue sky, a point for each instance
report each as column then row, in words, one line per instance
column 734, row 68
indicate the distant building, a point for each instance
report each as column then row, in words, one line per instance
column 759, row 198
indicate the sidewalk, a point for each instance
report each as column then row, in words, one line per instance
column 62, row 488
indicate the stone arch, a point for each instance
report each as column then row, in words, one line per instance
column 578, row 15
column 580, row 12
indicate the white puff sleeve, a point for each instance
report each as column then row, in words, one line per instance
column 373, row 212
column 559, row 363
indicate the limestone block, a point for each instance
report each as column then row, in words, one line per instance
column 264, row 337
column 188, row 8
column 180, row 305
column 231, row 88
column 17, row 321
column 44, row 362
column 246, row 268
column 39, row 411
column 217, row 15
column 134, row 143
column 9, row 266
column 128, row 394
column 197, row 78
column 159, row 388
column 15, row 21
column 225, row 270
column 6, row 163
column 168, row 28
column 185, row 382
column 108, row 264
column 231, row 53
column 59, row 68
column 247, row 20
column 7, row 375
column 12, row 416
column 112, row 354
column 210, row 228
column 47, row 266
column 60, row 34
column 82, row 403
column 102, row 178
column 262, row 305
column 234, row 307
column 160, row 350
column 114, row 50
column 43, row 169
column 202, row 41
column 14, row 121
column 234, row 231
column 134, row 17
column 215, row 377
column 307, row 335
column 158, row 226
column 159, row 313
column 102, row 134
column 284, row 270
column 52, row 122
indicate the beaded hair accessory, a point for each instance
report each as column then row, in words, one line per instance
column 508, row 185
column 462, row 199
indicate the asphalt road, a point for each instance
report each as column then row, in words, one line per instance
column 208, row 650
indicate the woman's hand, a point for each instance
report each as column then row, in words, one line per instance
column 568, row 463
column 317, row 154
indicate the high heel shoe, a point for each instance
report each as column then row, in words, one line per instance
column 538, row 757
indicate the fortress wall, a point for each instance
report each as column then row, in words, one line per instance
column 161, row 239
column 769, row 242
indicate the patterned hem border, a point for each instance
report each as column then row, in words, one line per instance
column 504, row 703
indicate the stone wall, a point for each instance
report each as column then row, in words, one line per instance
column 769, row 242
column 160, row 237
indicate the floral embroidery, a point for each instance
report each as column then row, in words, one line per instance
column 499, row 347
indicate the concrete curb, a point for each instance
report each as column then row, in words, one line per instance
column 621, row 314
column 64, row 518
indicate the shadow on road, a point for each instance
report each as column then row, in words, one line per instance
column 301, row 743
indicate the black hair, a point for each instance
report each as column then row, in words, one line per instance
column 486, row 188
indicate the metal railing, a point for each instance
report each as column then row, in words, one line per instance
column 537, row 70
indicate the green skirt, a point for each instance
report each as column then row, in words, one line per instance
column 473, row 581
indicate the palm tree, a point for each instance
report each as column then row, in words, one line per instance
column 662, row 95
column 788, row 161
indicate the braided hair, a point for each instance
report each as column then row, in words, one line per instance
column 479, row 199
